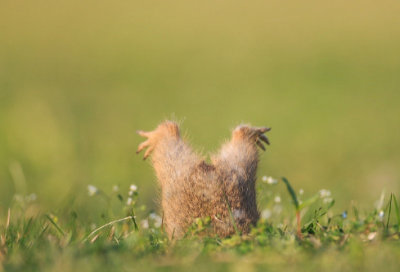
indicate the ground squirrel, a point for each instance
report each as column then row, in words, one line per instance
column 191, row 188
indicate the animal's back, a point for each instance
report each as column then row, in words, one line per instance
column 191, row 188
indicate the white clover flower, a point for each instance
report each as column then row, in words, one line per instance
column 277, row 199
column 269, row 180
column 129, row 201
column 115, row 188
column 144, row 223
column 133, row 188
column 33, row 197
column 158, row 223
column 18, row 198
column 328, row 193
column 92, row 190
column 322, row 193
column 157, row 219
column 266, row 214
column 264, row 178
column 29, row 198
column 301, row 191
column 272, row 181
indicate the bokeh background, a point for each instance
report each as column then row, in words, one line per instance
column 78, row 78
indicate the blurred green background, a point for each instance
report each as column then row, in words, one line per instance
column 77, row 79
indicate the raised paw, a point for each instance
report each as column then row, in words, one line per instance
column 146, row 143
column 252, row 133
column 167, row 129
column 261, row 137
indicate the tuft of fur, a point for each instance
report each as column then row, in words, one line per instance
column 191, row 188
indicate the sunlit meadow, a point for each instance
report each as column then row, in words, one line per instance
column 78, row 78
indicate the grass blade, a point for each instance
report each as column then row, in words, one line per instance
column 96, row 230
column 397, row 212
column 134, row 221
column 390, row 210
column 8, row 223
column 55, row 225
column 330, row 205
column 44, row 229
column 308, row 202
column 354, row 210
column 231, row 215
column 121, row 198
column 291, row 192
column 27, row 227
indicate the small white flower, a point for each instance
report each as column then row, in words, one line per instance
column 327, row 200
column 322, row 193
column 371, row 236
column 266, row 214
column 130, row 193
column 264, row 178
column 153, row 216
column 92, row 190
column 301, row 191
column 157, row 219
column 115, row 188
column 133, row 188
column 272, row 181
column 144, row 223
column 18, row 198
column 33, row 197
column 277, row 199
column 158, row 223
column 129, row 201
column 328, row 193
column 269, row 180
column 381, row 214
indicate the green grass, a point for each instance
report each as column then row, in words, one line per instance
column 67, row 240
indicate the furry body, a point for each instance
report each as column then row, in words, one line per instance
column 191, row 188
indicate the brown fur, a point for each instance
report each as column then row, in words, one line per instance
column 191, row 188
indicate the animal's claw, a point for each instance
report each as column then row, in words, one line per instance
column 264, row 129
column 145, row 144
column 264, row 138
column 258, row 142
column 142, row 146
column 261, row 137
column 147, row 153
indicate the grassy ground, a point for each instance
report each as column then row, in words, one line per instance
column 78, row 79
column 70, row 240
